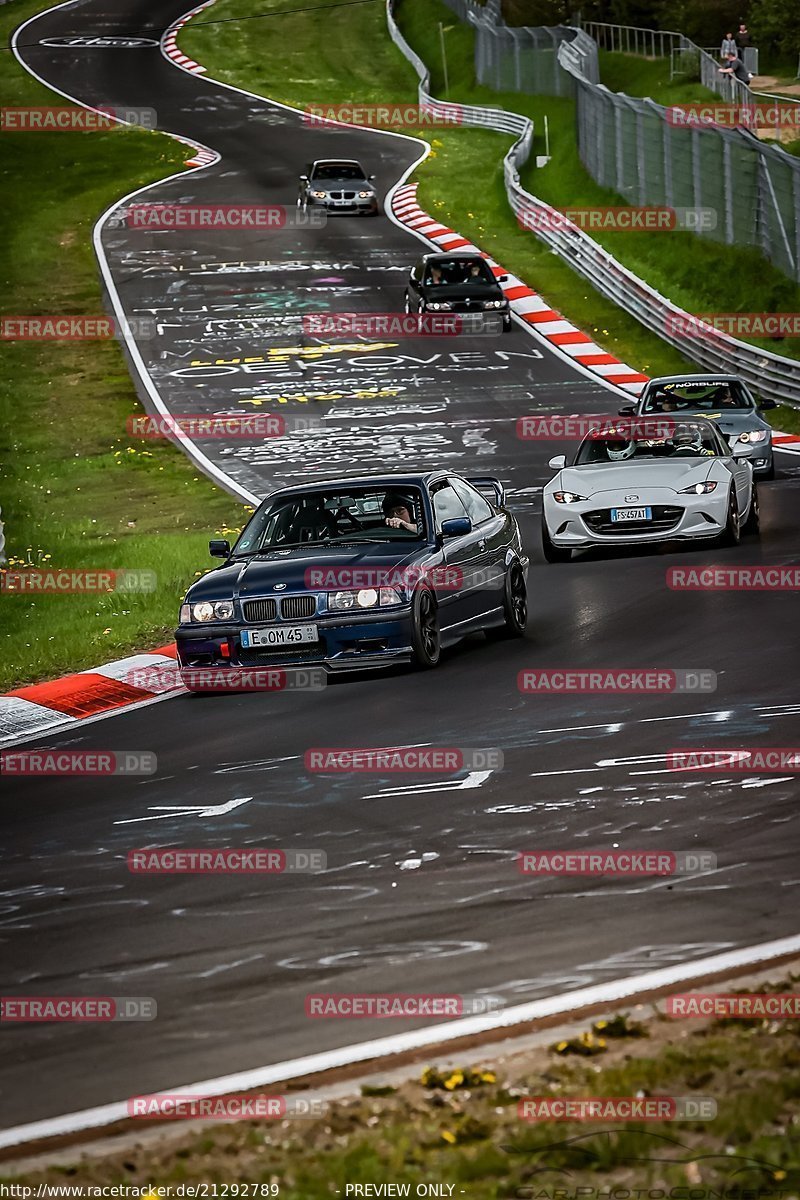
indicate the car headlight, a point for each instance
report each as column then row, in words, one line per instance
column 754, row 435
column 320, row 195
column 438, row 305
column 364, row 195
column 567, row 497
column 207, row 610
column 699, row 489
column 364, row 598
column 494, row 303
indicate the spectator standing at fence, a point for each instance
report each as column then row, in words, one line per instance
column 746, row 52
column 728, row 46
column 736, row 69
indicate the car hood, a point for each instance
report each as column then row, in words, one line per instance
column 728, row 420
column 350, row 185
column 593, row 478
column 463, row 291
column 258, row 576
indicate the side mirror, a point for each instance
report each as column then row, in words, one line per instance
column 456, row 527
column 740, row 450
column 558, row 462
column 627, row 410
column 219, row 548
column 370, row 177
column 766, row 403
column 502, row 279
column 304, row 179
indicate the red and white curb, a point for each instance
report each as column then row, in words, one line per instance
column 73, row 698
column 525, row 303
column 169, row 42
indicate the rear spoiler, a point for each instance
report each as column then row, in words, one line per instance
column 490, row 487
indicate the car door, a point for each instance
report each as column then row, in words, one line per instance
column 491, row 529
column 742, row 474
column 413, row 288
column 460, row 605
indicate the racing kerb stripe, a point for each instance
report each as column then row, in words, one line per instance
column 126, row 681
column 527, row 305
column 169, row 42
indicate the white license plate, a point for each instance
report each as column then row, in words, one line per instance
column 343, row 201
column 631, row 514
column 279, row 635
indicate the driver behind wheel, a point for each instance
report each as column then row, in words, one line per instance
column 398, row 512
column 621, row 450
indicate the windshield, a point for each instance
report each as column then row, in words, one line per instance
column 335, row 517
column 338, row 171
column 458, row 271
column 709, row 396
column 686, row 441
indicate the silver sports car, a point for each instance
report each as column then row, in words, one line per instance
column 338, row 185
column 637, row 482
column 724, row 399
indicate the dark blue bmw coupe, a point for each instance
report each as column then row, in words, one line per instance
column 355, row 573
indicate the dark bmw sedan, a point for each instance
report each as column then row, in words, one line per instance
column 357, row 573
column 457, row 283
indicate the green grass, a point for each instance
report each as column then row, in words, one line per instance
column 76, row 491
column 467, row 1132
column 638, row 76
column 303, row 57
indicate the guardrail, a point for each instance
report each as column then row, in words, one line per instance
column 498, row 119
column 771, row 375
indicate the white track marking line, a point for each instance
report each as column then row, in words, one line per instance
column 599, row 996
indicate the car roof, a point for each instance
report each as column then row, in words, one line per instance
column 720, row 377
column 336, row 162
column 453, row 254
column 392, row 480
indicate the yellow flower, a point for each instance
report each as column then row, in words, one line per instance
column 448, row 1137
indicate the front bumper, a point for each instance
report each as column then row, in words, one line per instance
column 347, row 642
column 364, row 207
column 695, row 518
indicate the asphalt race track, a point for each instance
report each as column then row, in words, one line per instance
column 421, row 890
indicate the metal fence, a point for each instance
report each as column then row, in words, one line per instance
column 642, row 150
column 770, row 374
column 666, row 43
